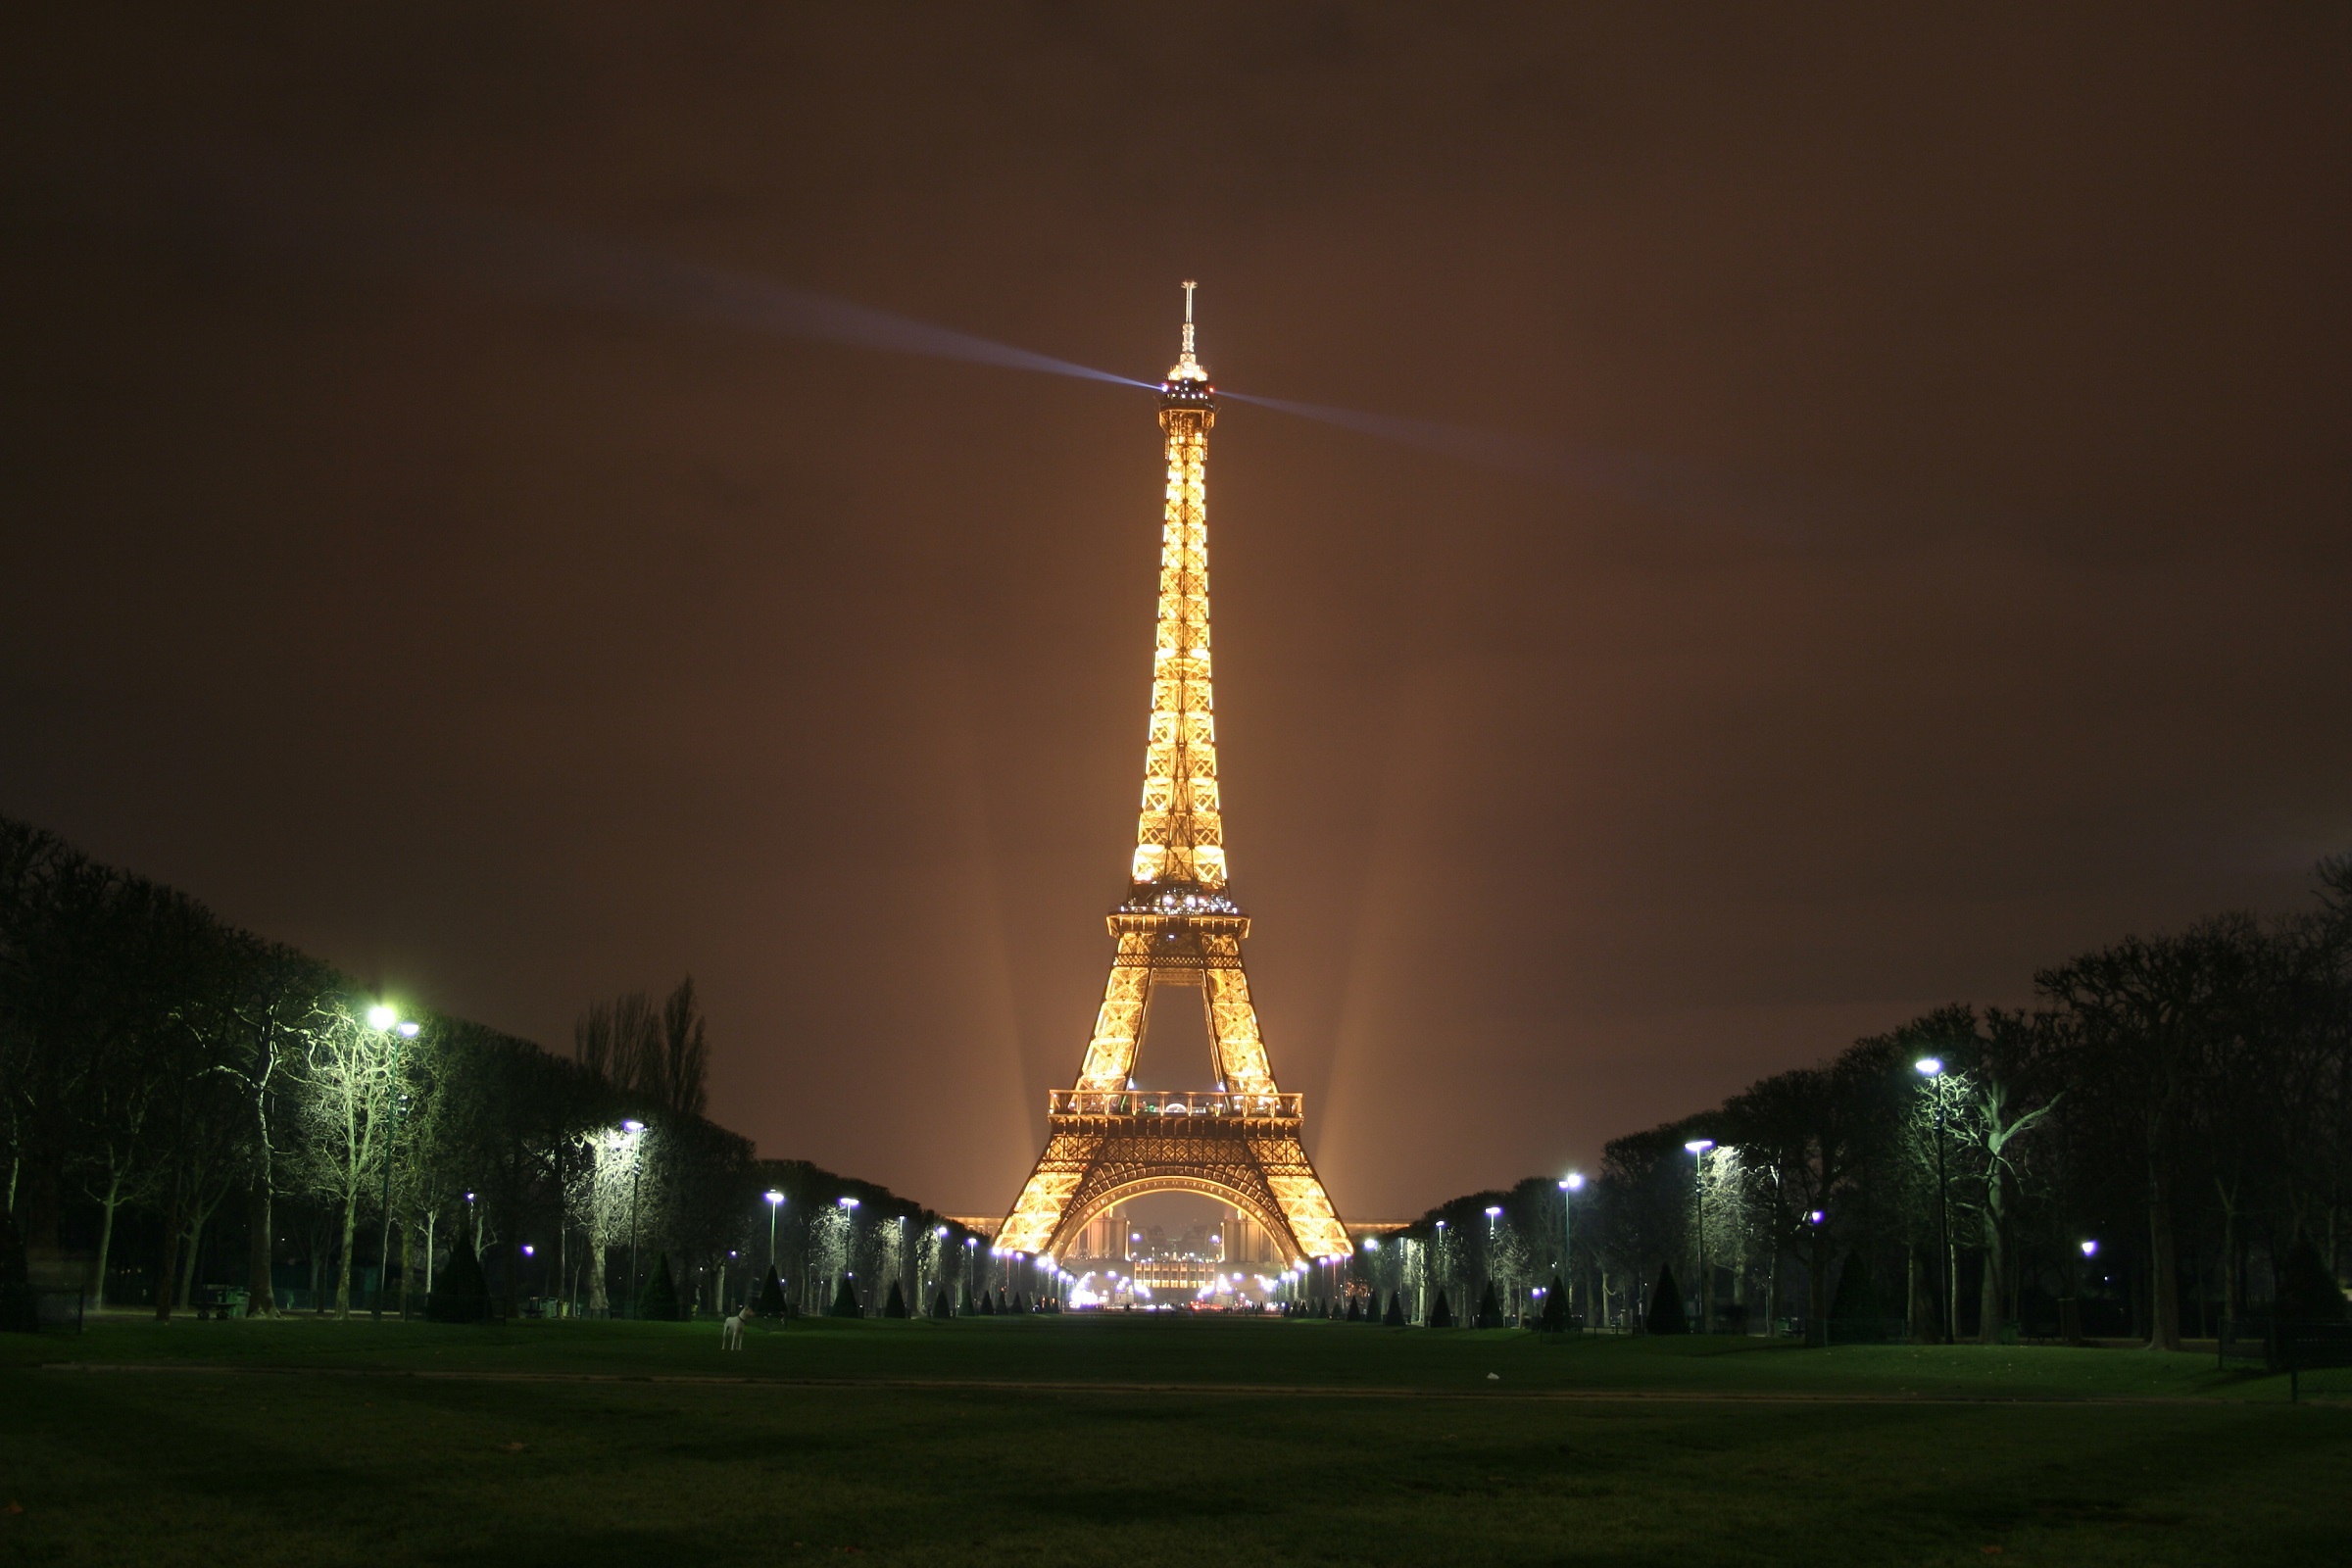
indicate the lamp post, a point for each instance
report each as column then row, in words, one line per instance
column 1485, row 1263
column 1436, row 1268
column 1931, row 1069
column 385, row 1021
column 635, row 1131
column 775, row 1205
column 1699, row 1147
column 1570, row 1185
column 849, row 1213
column 971, row 1273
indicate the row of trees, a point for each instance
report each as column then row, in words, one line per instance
column 161, row 1068
column 2165, row 1135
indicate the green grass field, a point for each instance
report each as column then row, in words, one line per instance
column 1126, row 1440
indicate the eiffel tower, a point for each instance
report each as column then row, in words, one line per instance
column 1178, row 926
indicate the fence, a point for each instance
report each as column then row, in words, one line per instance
column 2296, row 1348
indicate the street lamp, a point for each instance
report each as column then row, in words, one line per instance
column 849, row 1207
column 776, row 1207
column 1931, row 1069
column 1570, row 1185
column 1486, row 1261
column 632, row 1129
column 384, row 1020
column 1699, row 1147
column 1439, row 1247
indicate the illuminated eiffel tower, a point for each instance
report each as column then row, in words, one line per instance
column 1178, row 926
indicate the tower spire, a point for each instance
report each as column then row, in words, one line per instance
column 1188, row 370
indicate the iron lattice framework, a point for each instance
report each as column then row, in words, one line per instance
column 1178, row 926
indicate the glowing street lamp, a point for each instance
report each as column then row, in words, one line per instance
column 1931, row 1069
column 1699, row 1147
column 386, row 1020
column 632, row 1131
column 1570, row 1185
column 776, row 1207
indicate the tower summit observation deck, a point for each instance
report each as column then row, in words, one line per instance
column 1178, row 925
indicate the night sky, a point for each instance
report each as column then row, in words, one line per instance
column 1901, row 541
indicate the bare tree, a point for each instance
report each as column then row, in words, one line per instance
column 349, row 1085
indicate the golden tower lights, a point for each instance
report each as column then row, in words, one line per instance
column 1178, row 926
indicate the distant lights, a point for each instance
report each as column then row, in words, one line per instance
column 1573, row 1182
column 2091, row 1249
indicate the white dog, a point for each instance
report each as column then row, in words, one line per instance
column 730, row 1331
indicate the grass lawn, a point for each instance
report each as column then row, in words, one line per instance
column 1136, row 1442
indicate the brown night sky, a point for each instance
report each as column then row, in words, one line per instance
column 514, row 648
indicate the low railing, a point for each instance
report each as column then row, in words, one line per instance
column 1170, row 1103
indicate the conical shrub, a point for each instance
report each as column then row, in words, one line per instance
column 1555, row 1307
column 1440, row 1317
column 845, row 1301
column 1393, row 1317
column 1854, row 1313
column 1020, row 1305
column 1666, row 1315
column 1490, row 1308
column 895, row 1306
column 987, row 1304
column 658, row 1299
column 939, row 1304
column 459, row 1293
column 1354, row 1311
column 17, row 1314
column 2307, row 1291
column 771, row 1297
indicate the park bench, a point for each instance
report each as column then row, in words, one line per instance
column 218, row 1301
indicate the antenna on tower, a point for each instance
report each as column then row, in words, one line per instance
column 1189, row 286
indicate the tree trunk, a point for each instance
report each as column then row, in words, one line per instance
column 105, row 1239
column 598, row 1300
column 170, row 1264
column 37, row 1218
column 260, row 1248
column 2164, row 1284
column 1817, row 1292
column 351, row 1219
column 187, row 1267
column 1914, row 1300
column 2230, row 1303
column 1989, row 1294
